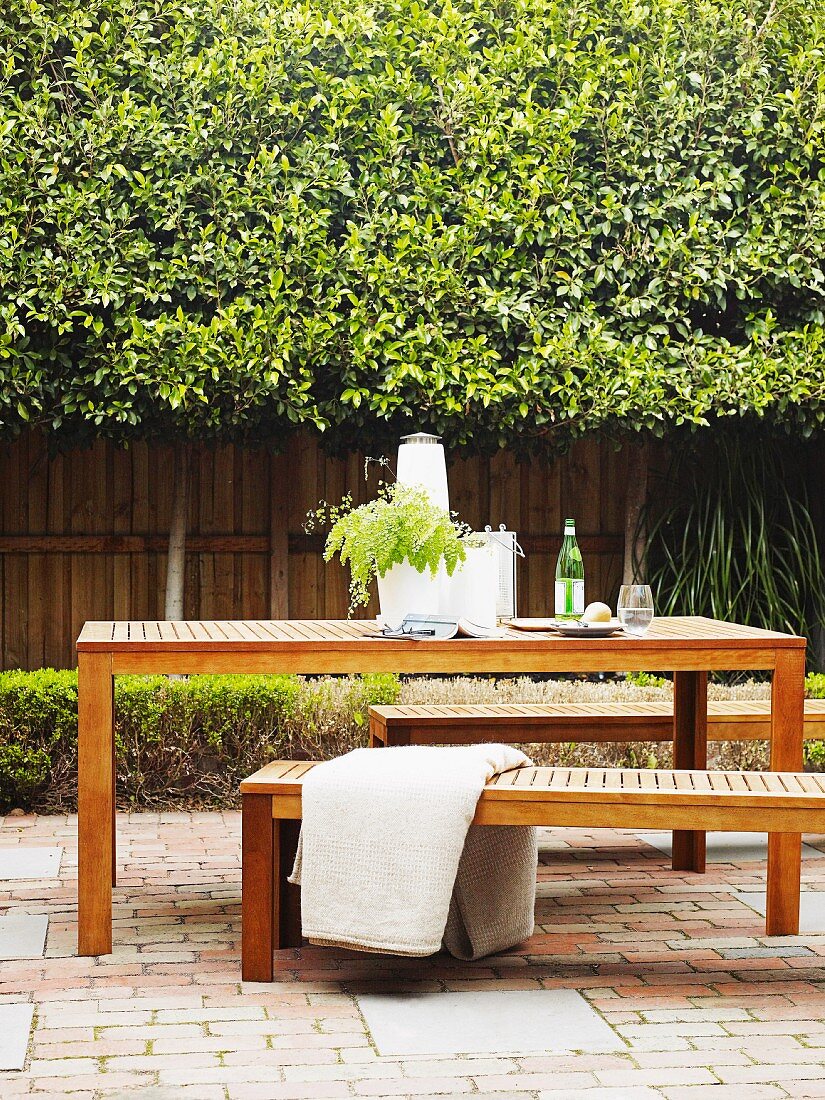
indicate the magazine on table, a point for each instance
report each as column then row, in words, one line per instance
column 439, row 627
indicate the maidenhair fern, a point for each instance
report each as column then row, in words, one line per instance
column 401, row 525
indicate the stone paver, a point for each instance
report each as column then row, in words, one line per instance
column 23, row 935
column 507, row 1021
column 15, row 1025
column 701, row 1003
column 29, row 862
column 729, row 847
column 811, row 909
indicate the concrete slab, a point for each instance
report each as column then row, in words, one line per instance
column 811, row 908
column 487, row 1022
column 729, row 847
column 23, row 935
column 15, row 1026
column 29, row 863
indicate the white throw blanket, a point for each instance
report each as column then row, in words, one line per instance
column 382, row 838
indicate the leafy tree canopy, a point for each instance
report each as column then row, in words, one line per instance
column 512, row 221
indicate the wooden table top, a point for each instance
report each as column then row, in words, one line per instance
column 686, row 632
column 356, row 645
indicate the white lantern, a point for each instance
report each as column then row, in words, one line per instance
column 421, row 462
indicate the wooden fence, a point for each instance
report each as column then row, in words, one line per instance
column 83, row 535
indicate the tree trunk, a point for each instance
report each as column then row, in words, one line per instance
column 176, row 556
column 279, row 479
column 635, row 536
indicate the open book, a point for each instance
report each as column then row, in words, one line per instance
column 423, row 627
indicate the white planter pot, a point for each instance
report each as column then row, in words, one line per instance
column 472, row 591
column 404, row 591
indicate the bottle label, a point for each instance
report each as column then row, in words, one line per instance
column 569, row 597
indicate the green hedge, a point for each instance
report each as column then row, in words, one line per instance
column 518, row 222
column 178, row 741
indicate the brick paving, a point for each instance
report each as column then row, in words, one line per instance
column 706, row 1005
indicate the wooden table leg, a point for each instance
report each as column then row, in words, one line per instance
column 95, row 820
column 785, row 849
column 258, row 906
column 690, row 750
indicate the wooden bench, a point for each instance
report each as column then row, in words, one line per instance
column 551, row 723
column 778, row 802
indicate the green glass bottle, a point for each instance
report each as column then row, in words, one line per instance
column 569, row 576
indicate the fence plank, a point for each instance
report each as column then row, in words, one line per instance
column 82, row 475
column 58, row 644
column 161, row 473
column 139, row 521
column 122, row 491
column 335, row 599
column 222, row 517
column 252, row 514
column 303, row 569
column 16, row 573
column 278, row 537
column 37, row 499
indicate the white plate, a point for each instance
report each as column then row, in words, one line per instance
column 572, row 628
column 532, row 624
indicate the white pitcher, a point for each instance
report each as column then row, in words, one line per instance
column 472, row 591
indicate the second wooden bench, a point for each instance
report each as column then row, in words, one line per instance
column 551, row 723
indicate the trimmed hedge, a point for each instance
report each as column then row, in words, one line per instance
column 177, row 741
column 516, row 222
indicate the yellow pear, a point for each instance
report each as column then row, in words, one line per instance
column 596, row 613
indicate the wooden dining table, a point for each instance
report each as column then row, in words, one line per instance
column 688, row 647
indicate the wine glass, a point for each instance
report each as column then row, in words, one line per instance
column 635, row 608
